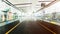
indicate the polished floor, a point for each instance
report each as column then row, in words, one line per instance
column 36, row 27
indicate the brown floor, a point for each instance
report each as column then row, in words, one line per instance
column 36, row 27
column 52, row 27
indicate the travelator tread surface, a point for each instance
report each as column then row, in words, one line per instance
column 36, row 27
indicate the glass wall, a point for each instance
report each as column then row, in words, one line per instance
column 7, row 13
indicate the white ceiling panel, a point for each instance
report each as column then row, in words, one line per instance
column 34, row 4
column 19, row 1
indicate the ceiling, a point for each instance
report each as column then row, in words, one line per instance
column 27, row 5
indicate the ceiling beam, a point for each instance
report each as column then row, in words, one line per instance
column 53, row 2
column 44, row 1
column 23, row 4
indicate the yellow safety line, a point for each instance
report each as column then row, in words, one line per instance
column 47, row 28
column 53, row 22
column 12, row 28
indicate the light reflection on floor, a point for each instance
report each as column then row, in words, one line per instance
column 34, row 18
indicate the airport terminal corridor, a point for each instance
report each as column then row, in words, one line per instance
column 29, row 16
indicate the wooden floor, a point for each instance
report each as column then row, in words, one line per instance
column 36, row 27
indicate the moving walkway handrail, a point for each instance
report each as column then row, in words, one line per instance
column 10, row 4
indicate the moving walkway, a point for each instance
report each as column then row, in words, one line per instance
column 12, row 24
